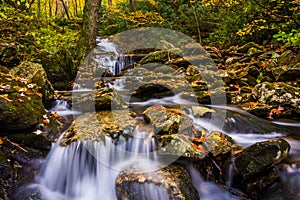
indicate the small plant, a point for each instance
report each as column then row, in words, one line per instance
column 289, row 39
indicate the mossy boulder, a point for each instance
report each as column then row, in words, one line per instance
column 216, row 144
column 171, row 182
column 169, row 121
column 59, row 67
column 36, row 73
column 254, row 167
column 179, row 145
column 245, row 48
column 95, row 126
column 103, row 98
column 21, row 107
column 161, row 56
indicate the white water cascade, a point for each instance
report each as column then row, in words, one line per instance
column 114, row 61
column 88, row 169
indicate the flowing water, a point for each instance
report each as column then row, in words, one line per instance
column 87, row 170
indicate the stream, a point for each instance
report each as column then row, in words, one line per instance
column 88, row 170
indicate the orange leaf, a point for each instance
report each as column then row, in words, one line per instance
column 46, row 121
column 39, row 94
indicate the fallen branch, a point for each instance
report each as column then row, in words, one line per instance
column 15, row 144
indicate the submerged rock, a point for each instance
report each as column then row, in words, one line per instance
column 94, row 126
column 36, row 73
column 171, row 182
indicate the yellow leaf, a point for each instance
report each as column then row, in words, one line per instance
column 5, row 96
column 1, row 141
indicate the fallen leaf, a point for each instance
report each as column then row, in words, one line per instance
column 37, row 132
column 30, row 86
column 21, row 100
column 55, row 115
column 1, row 141
column 39, row 94
column 5, row 96
column 46, row 121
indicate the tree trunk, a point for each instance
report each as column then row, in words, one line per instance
column 132, row 5
column 87, row 38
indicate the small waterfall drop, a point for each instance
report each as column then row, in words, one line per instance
column 208, row 190
column 114, row 61
column 62, row 108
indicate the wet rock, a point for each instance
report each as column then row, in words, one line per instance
column 169, row 121
column 260, row 157
column 215, row 54
column 100, row 99
column 161, row 56
column 245, row 48
column 180, row 146
column 36, row 73
column 59, row 67
column 156, row 85
column 254, row 167
column 218, row 143
column 18, row 166
column 179, row 62
column 171, row 182
column 94, row 126
column 192, row 70
column 277, row 94
column 258, row 109
column 202, row 111
column 254, row 51
column 20, row 106
column 287, row 73
column 286, row 58
column 9, row 55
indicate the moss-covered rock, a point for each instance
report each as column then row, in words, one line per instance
column 171, row 182
column 101, row 99
column 180, row 146
column 245, row 48
column 94, row 126
column 59, row 67
column 36, row 73
column 169, row 121
column 21, row 107
column 161, row 56
column 254, row 166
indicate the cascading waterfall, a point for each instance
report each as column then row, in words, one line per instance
column 114, row 62
column 88, row 169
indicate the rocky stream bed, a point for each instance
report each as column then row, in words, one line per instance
column 175, row 102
